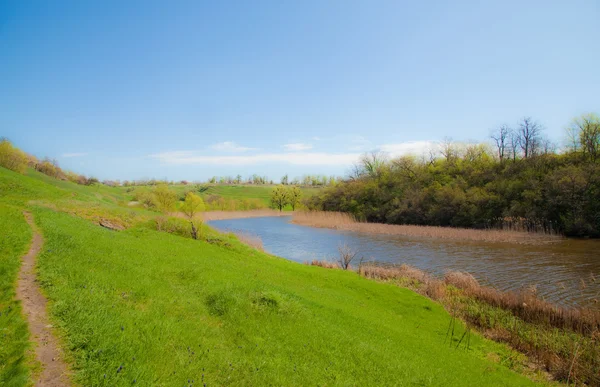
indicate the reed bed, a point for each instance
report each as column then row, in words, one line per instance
column 344, row 221
column 564, row 342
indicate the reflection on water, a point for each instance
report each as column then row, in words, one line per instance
column 566, row 273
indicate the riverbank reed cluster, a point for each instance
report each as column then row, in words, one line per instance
column 345, row 221
column 561, row 341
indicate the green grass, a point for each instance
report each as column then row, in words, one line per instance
column 159, row 309
column 15, row 237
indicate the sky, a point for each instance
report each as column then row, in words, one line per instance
column 192, row 89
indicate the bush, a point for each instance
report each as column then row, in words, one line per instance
column 144, row 197
column 48, row 167
column 12, row 158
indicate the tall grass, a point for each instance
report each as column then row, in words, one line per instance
column 344, row 221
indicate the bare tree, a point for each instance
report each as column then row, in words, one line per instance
column 347, row 255
column 529, row 134
column 501, row 137
column 547, row 146
column 448, row 149
column 513, row 141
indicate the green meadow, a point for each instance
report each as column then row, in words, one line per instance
column 156, row 309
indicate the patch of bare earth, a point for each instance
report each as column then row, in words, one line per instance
column 55, row 371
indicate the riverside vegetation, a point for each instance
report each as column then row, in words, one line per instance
column 522, row 184
column 226, row 313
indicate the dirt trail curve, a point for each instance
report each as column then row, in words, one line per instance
column 54, row 370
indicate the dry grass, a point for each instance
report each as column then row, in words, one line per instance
column 564, row 341
column 221, row 215
column 325, row 264
column 343, row 221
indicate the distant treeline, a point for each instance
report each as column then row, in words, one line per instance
column 518, row 181
column 305, row 181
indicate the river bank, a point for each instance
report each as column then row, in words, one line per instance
column 342, row 221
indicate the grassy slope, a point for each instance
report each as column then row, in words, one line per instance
column 169, row 309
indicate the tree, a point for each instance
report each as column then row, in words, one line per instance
column 448, row 149
column 192, row 206
column 279, row 197
column 529, row 136
column 285, row 179
column 165, row 199
column 373, row 164
column 501, row 138
column 586, row 134
column 294, row 196
column 347, row 255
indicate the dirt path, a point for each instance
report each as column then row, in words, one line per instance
column 54, row 369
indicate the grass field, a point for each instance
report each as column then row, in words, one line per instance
column 235, row 192
column 155, row 309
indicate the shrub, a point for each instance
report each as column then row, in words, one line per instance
column 144, row 197
column 48, row 167
column 12, row 158
column 164, row 198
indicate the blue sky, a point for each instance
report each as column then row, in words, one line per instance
column 191, row 89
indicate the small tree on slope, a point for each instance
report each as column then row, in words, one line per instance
column 192, row 206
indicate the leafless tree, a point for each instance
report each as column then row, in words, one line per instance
column 529, row 134
column 448, row 149
column 347, row 255
column 501, row 137
column 513, row 142
column 547, row 146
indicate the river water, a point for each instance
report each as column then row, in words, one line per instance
column 566, row 273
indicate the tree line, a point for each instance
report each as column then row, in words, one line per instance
column 520, row 180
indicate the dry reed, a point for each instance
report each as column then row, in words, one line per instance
column 344, row 221
column 325, row 264
column 536, row 334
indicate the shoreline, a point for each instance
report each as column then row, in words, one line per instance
column 224, row 215
column 342, row 221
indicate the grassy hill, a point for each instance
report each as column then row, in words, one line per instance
column 156, row 309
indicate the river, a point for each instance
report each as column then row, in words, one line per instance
column 566, row 272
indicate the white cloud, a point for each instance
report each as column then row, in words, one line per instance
column 293, row 158
column 359, row 143
column 230, row 146
column 408, row 148
column 79, row 154
column 298, row 146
